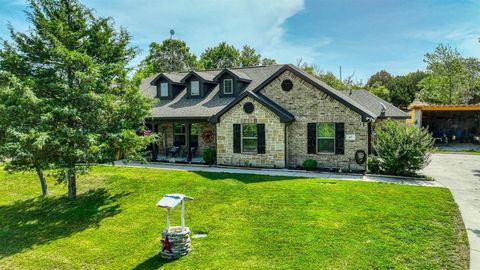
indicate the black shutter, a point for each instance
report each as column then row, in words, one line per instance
column 339, row 138
column 261, row 138
column 237, row 136
column 312, row 138
column 369, row 137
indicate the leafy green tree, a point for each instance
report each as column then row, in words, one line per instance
column 268, row 62
column 221, row 56
column 327, row 77
column 170, row 55
column 23, row 144
column 380, row 90
column 76, row 64
column 450, row 79
column 249, row 57
column 403, row 88
column 383, row 77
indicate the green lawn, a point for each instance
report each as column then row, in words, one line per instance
column 253, row 222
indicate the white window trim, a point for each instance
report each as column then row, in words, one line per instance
column 191, row 87
column 241, row 140
column 318, row 137
column 224, row 91
column 161, row 93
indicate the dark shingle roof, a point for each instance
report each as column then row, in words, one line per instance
column 258, row 77
column 183, row 107
column 374, row 104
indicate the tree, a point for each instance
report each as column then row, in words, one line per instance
column 170, row 55
column 75, row 63
column 249, row 57
column 23, row 144
column 383, row 77
column 450, row 79
column 403, row 88
column 327, row 77
column 268, row 62
column 380, row 91
column 221, row 56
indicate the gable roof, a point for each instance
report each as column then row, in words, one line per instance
column 235, row 73
column 337, row 95
column 173, row 77
column 285, row 116
column 374, row 104
column 182, row 107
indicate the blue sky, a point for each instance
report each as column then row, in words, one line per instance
column 363, row 36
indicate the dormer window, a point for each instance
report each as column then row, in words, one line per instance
column 194, row 88
column 228, row 86
column 163, row 89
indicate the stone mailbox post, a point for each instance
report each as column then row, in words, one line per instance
column 176, row 239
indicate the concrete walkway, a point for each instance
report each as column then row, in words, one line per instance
column 461, row 174
column 284, row 172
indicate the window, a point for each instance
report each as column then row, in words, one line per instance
column 164, row 89
column 228, row 86
column 194, row 88
column 326, row 137
column 194, row 134
column 249, row 138
column 179, row 134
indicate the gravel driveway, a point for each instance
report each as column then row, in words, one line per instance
column 461, row 174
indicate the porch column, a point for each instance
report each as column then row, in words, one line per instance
column 188, row 132
column 154, row 144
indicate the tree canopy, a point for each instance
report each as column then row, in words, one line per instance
column 76, row 66
column 451, row 78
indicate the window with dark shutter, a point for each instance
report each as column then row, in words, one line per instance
column 339, row 138
column 311, row 138
column 237, row 136
column 261, row 138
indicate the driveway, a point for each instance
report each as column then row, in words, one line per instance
column 461, row 174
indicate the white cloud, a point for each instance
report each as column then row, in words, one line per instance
column 202, row 24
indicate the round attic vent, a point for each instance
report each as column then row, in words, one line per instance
column 248, row 107
column 287, row 85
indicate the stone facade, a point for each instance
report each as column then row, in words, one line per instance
column 274, row 137
column 310, row 105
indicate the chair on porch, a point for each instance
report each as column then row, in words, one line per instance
column 174, row 150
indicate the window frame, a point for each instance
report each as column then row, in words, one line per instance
column 191, row 88
column 249, row 138
column 326, row 138
column 161, row 92
column 175, row 134
column 224, row 88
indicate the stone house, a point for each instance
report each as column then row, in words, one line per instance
column 265, row 116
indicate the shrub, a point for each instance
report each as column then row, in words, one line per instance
column 310, row 164
column 209, row 156
column 400, row 149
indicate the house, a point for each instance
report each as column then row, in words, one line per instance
column 447, row 123
column 265, row 116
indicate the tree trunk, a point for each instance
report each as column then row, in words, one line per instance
column 72, row 184
column 43, row 183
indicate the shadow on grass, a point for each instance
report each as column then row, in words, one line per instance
column 151, row 263
column 26, row 223
column 244, row 178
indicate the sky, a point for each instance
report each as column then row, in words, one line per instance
column 361, row 36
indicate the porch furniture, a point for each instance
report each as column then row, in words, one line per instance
column 173, row 151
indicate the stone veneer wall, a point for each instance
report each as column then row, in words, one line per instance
column 309, row 105
column 274, row 137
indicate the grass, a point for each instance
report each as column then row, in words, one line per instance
column 252, row 222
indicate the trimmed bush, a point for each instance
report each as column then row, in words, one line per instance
column 310, row 164
column 400, row 149
column 209, row 156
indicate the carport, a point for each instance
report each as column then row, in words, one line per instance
column 448, row 123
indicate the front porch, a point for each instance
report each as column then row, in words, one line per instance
column 180, row 141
